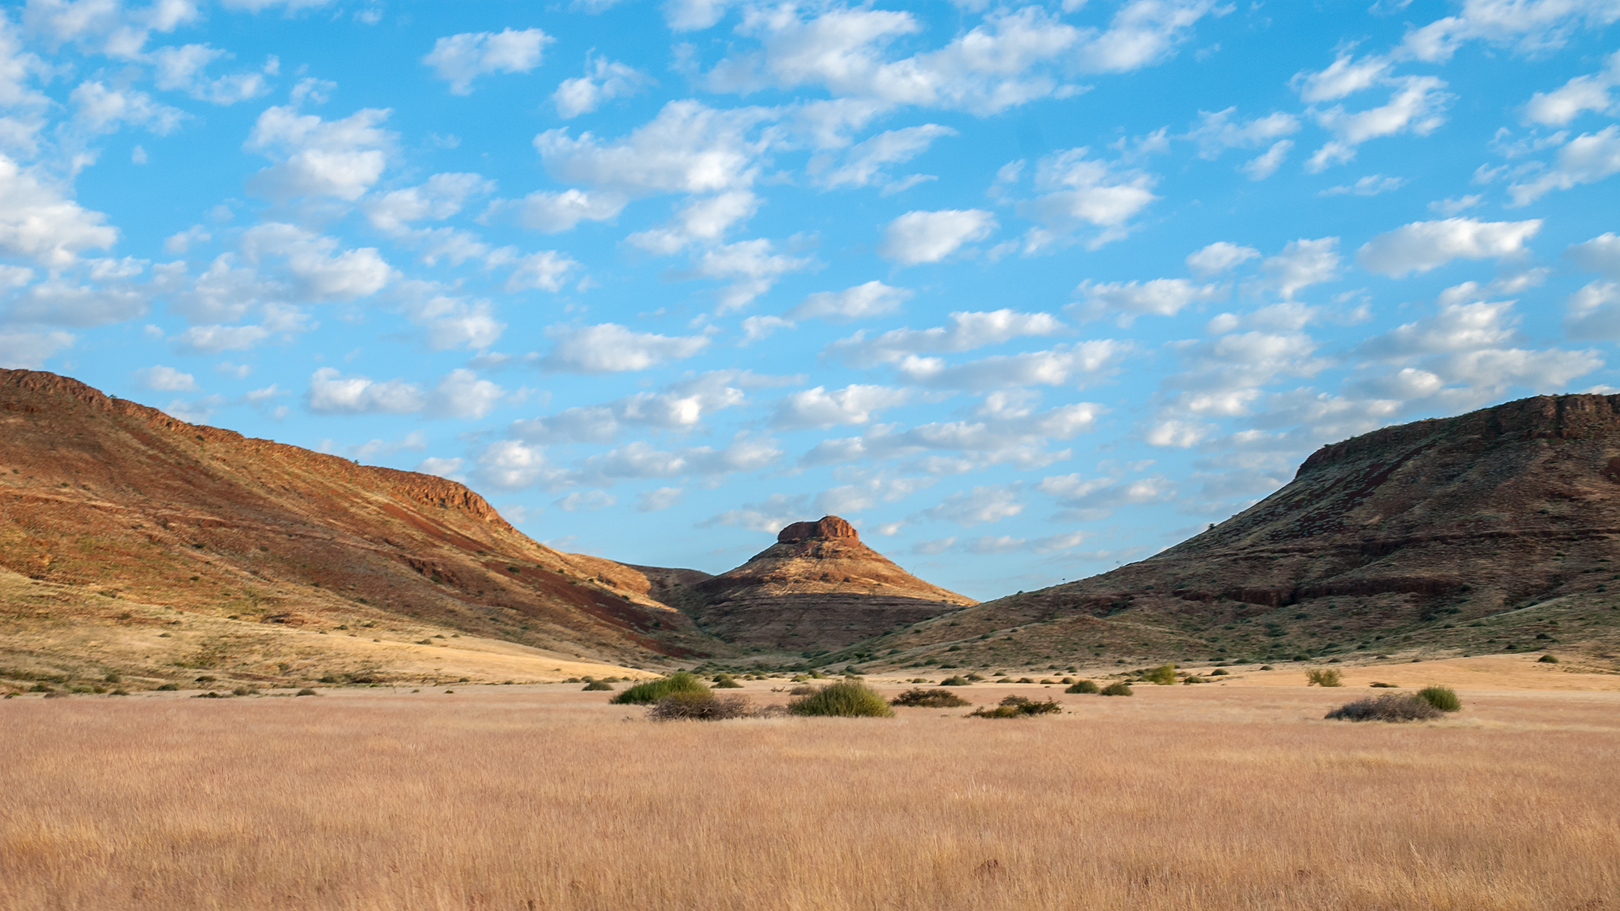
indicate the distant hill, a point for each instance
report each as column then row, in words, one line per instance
column 1498, row 530
column 117, row 517
column 817, row 587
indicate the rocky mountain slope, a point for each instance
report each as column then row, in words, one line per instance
column 817, row 587
column 1496, row 530
column 118, row 516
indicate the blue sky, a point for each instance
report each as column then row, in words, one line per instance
column 1025, row 291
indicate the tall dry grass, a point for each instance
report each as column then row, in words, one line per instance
column 1179, row 799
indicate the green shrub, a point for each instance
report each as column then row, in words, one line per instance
column 1163, row 675
column 1018, row 707
column 650, row 691
column 1084, row 686
column 1117, row 688
column 306, row 691
column 700, row 705
column 1193, row 678
column 1375, row 683
column 845, row 698
column 929, row 699
column 1219, row 672
column 1548, row 659
column 1320, row 676
column 803, row 689
column 1388, row 707
column 956, row 681
column 1443, row 698
column 726, row 682
column 169, row 687
column 597, row 686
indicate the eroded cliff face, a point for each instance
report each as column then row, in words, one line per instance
column 1394, row 533
column 125, row 501
column 817, row 588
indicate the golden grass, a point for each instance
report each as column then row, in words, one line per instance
column 545, row 797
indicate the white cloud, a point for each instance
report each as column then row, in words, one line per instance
column 1077, row 191
column 1063, row 365
column 105, row 110
column 30, row 350
column 1600, row 254
column 1215, row 132
column 1089, row 499
column 1588, row 158
column 862, row 165
column 1128, row 300
column 461, row 394
column 65, row 302
column 681, row 407
column 1415, row 106
column 451, row 321
column 687, row 148
column 332, row 393
column 1576, row 97
column 1346, row 76
column 611, row 348
column 443, row 467
column 557, row 212
column 259, row 6
column 38, row 223
column 585, row 501
column 180, row 243
column 928, row 237
column 184, row 69
column 319, row 271
column 1142, row 33
column 850, row 405
column 641, row 460
column 964, row 331
column 1006, row 430
column 314, row 157
column 509, row 465
column 981, row 505
column 1424, row 245
column 459, row 59
column 777, row 512
column 546, row 270
column 436, row 199
column 603, row 81
column 873, row 298
column 166, row 379
column 703, row 220
column 215, row 339
column 1371, row 185
column 1593, row 312
column 1266, row 164
column 1525, row 26
column 659, row 499
column 1219, row 257
column 752, row 268
column 1302, row 263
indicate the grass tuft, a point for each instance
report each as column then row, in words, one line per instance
column 1018, row 707
column 1323, row 676
column 597, row 686
column 650, row 691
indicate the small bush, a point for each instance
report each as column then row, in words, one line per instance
column 1193, row 678
column 726, row 682
column 956, row 681
column 169, row 687
column 1084, row 686
column 700, row 705
column 803, row 689
column 1388, row 707
column 1318, row 676
column 306, row 691
column 1219, row 672
column 1163, row 675
column 244, row 691
column 597, row 686
column 929, row 699
column 1443, row 698
column 847, row 698
column 1375, row 683
column 1548, row 659
column 1117, row 688
column 650, row 691
column 1018, row 707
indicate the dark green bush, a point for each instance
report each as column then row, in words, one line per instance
column 1084, row 686
column 306, row 691
column 1443, row 698
column 1219, row 672
column 169, row 687
column 1548, row 659
column 1018, row 707
column 650, row 691
column 956, row 681
column 1117, row 688
column 1163, row 675
column 929, row 699
column 803, row 689
column 846, row 698
column 700, row 705
column 726, row 682
column 1388, row 707
column 1386, row 686
column 597, row 686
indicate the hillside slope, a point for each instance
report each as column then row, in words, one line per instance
column 121, row 504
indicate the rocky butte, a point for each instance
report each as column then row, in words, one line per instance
column 817, row 587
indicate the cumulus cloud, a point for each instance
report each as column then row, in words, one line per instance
column 1302, row 263
column 820, row 408
column 659, row 499
column 545, row 271
column 1215, row 132
column 436, row 199
column 928, row 237
column 512, row 465
column 332, row 393
column 1344, row 77
column 1600, row 254
column 963, row 331
column 1008, row 430
column 873, row 298
column 217, row 339
column 1525, row 26
column 1127, row 300
column 315, row 157
column 166, row 379
column 980, row 506
column 1593, row 312
column 680, row 407
column 184, row 69
column 1588, row 158
column 105, row 110
column 703, row 220
column 611, row 348
column 1416, row 106
column 30, row 350
column 553, row 213
column 1219, row 257
column 1063, row 365
column 1089, row 499
column 641, row 460
column 1425, row 245
column 752, row 267
column 775, row 513
column 863, row 164
column 1576, row 97
column 1371, row 185
column 687, row 148
column 38, row 223
column 459, row 59
column 318, row 270
column 603, row 81
column 1077, row 191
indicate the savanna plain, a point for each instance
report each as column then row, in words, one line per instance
column 527, row 797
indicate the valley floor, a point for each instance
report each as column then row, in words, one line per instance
column 1181, row 797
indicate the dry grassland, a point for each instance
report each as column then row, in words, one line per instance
column 517, row 798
